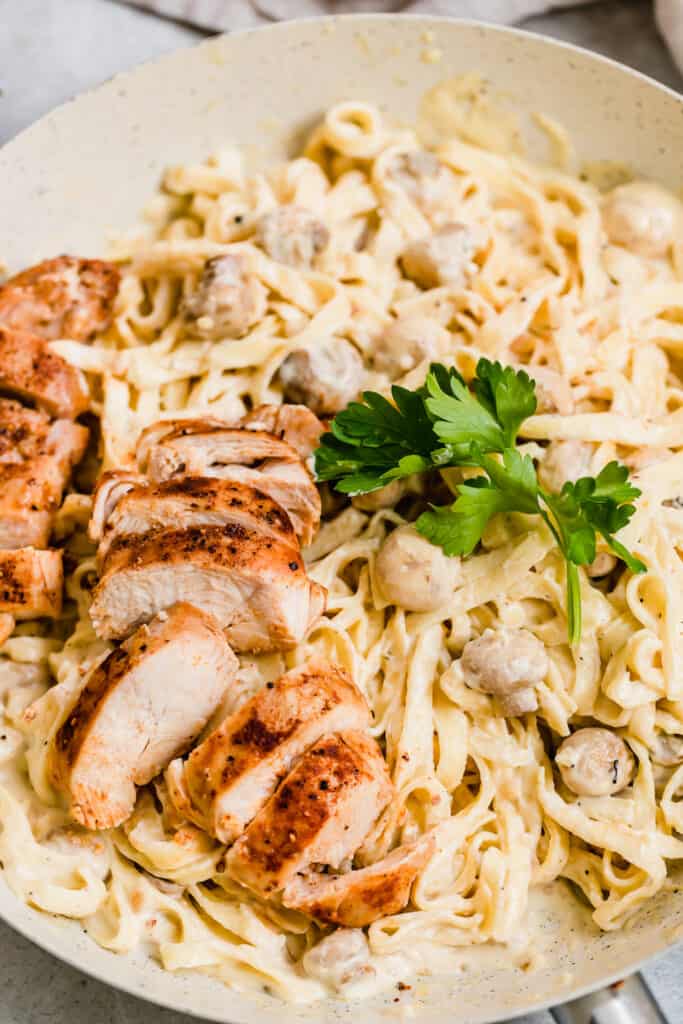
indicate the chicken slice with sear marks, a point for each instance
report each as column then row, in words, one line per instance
column 358, row 898
column 30, row 371
column 31, row 583
column 243, row 456
column 294, row 424
column 195, row 501
column 111, row 487
column 255, row 586
column 36, row 459
column 319, row 815
column 63, row 297
column 141, row 706
column 228, row 778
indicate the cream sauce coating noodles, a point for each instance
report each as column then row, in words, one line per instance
column 602, row 326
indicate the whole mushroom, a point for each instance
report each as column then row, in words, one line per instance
column 228, row 299
column 291, row 235
column 325, row 377
column 506, row 664
column 413, row 573
column 406, row 342
column 595, row 762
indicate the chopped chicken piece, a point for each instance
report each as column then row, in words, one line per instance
column 292, row 235
column 358, row 898
column 242, row 456
column 22, row 431
column 61, row 298
column 319, row 815
column 110, row 489
column 36, row 459
column 141, row 706
column 29, row 370
column 229, row 299
column 31, row 583
column 255, row 586
column 294, row 424
column 228, row 778
column 195, row 501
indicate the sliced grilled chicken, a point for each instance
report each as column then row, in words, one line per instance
column 111, row 487
column 61, row 298
column 228, row 778
column 255, row 586
column 29, row 370
column 358, row 898
column 195, row 501
column 244, row 456
column 36, row 459
column 156, row 432
column 31, row 583
column 319, row 815
column 143, row 705
column 294, row 424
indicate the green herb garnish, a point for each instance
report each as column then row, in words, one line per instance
column 446, row 423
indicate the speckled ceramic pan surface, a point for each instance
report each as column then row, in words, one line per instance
column 88, row 168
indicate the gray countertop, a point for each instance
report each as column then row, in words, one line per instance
column 49, row 51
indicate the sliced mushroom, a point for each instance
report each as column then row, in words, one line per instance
column 441, row 258
column 602, row 565
column 595, row 762
column 325, row 377
column 408, row 341
column 385, row 497
column 642, row 217
column 413, row 573
column 507, row 664
column 228, row 299
column 291, row 235
column 564, row 460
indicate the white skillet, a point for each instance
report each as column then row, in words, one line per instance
column 90, row 166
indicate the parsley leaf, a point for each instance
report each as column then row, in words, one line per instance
column 459, row 418
column 509, row 394
column 373, row 438
column 446, row 423
column 510, row 487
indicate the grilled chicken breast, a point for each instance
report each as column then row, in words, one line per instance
column 294, row 424
column 36, row 459
column 195, row 501
column 319, row 815
column 31, row 583
column 143, row 705
column 243, row 456
column 29, row 370
column 256, row 586
column 358, row 898
column 61, row 298
column 229, row 777
column 109, row 490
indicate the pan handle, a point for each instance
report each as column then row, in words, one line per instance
column 626, row 1002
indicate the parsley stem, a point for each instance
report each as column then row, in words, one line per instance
column 573, row 603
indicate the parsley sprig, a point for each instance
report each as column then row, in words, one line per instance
column 448, row 423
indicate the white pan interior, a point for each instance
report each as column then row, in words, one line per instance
column 88, row 168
